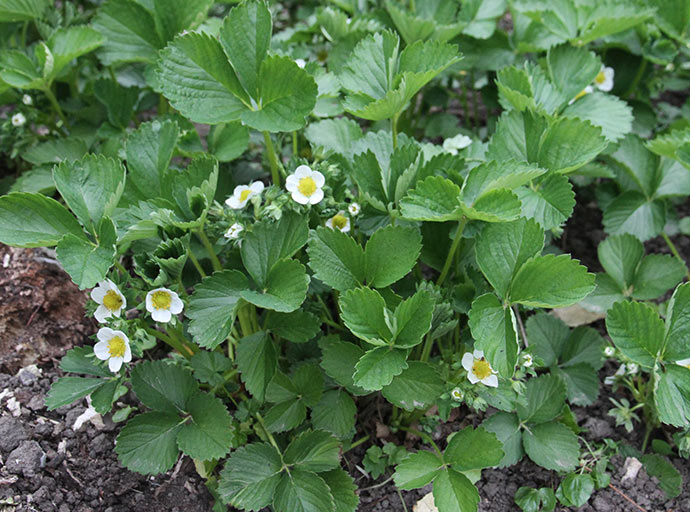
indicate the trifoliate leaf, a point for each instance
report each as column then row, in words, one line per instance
column 147, row 443
column 207, row 435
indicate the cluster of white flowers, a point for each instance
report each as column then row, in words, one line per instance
column 113, row 346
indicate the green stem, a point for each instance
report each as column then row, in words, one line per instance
column 425, row 437
column 119, row 266
column 394, row 129
column 295, row 148
column 636, row 80
column 268, row 434
column 672, row 246
column 173, row 343
column 209, row 249
column 162, row 105
column 196, row 263
column 426, row 351
column 451, row 253
column 56, row 106
column 245, row 321
column 272, row 159
column 357, row 443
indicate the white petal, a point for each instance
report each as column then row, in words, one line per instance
column 121, row 335
column 302, row 171
column 299, row 197
column 97, row 294
column 115, row 363
column 101, row 350
column 472, row 378
column 316, row 197
column 291, row 183
column 234, row 202
column 346, row 229
column 102, row 313
column 478, row 354
column 467, row 361
column 149, row 302
column 257, row 187
column 318, row 179
column 105, row 333
column 161, row 315
column 176, row 305
column 684, row 362
column 329, row 223
column 491, row 381
column 128, row 354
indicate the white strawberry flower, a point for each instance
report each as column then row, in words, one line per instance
column 455, row 144
column 110, row 300
column 457, row 395
column 354, row 209
column 234, row 231
column 243, row 193
column 301, row 63
column 479, row 369
column 18, row 119
column 27, row 100
column 604, row 79
column 633, row 368
column 305, row 185
column 339, row 221
column 609, row 351
column 527, row 360
column 163, row 304
column 112, row 346
column 684, row 362
column 587, row 90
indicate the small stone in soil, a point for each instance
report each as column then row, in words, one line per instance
column 27, row 459
column 12, row 433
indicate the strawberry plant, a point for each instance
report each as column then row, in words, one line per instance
column 285, row 212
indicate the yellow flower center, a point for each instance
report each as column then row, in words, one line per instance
column 686, row 365
column 112, row 300
column 307, row 186
column 116, row 347
column 580, row 94
column 481, row 368
column 161, row 300
column 245, row 194
column 339, row 221
column 600, row 78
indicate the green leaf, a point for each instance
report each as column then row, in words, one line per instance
column 149, row 150
column 575, row 489
column 417, row 387
column 228, row 141
column 250, row 476
column 678, row 325
column 246, row 38
column 297, row 327
column 552, row 445
column 413, row 319
column 417, row 470
column 172, row 17
column 620, row 256
column 208, row 434
column 209, row 367
column 362, row 311
column 335, row 413
column 284, row 289
column 504, row 247
column 547, row 336
column 390, row 254
column 672, row 396
column 612, row 115
column 461, row 455
column 103, row 398
column 303, row 491
column 571, row 68
column 343, row 490
column 286, row 415
column 12, row 11
column 637, row 331
column 551, row 281
column 308, row 381
column 164, row 387
column 433, row 199
column 55, row 151
column 379, row 366
column 147, row 444
column 269, row 242
column 91, row 187
column 670, row 479
column 535, row 500
column 213, row 305
column 494, row 206
column 82, row 360
column 657, row 274
column 545, row 397
column 454, row 492
column 633, row 213
column 506, row 426
column 130, row 33
column 550, row 200
column 69, row 389
column 494, row 330
column 69, row 43
column 581, row 382
column 118, row 101
column 339, row 360
column 257, row 361
column 494, row 176
column 34, row 220
column 85, row 262
column 336, row 259
column 313, row 451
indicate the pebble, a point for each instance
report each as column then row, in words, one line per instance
column 12, row 432
column 27, row 459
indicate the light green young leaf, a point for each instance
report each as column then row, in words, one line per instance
column 494, row 330
column 434, row 199
column 91, row 187
column 208, row 434
column 454, row 492
column 147, row 444
column 417, row 470
column 551, row 281
column 362, row 311
column 504, row 247
column 303, row 491
column 213, row 305
column 545, row 397
column 379, row 366
column 250, row 476
column 69, row 389
column 417, row 387
column 637, row 331
column 257, row 361
column 552, row 445
column 34, row 220
column 390, row 254
column 336, row 259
